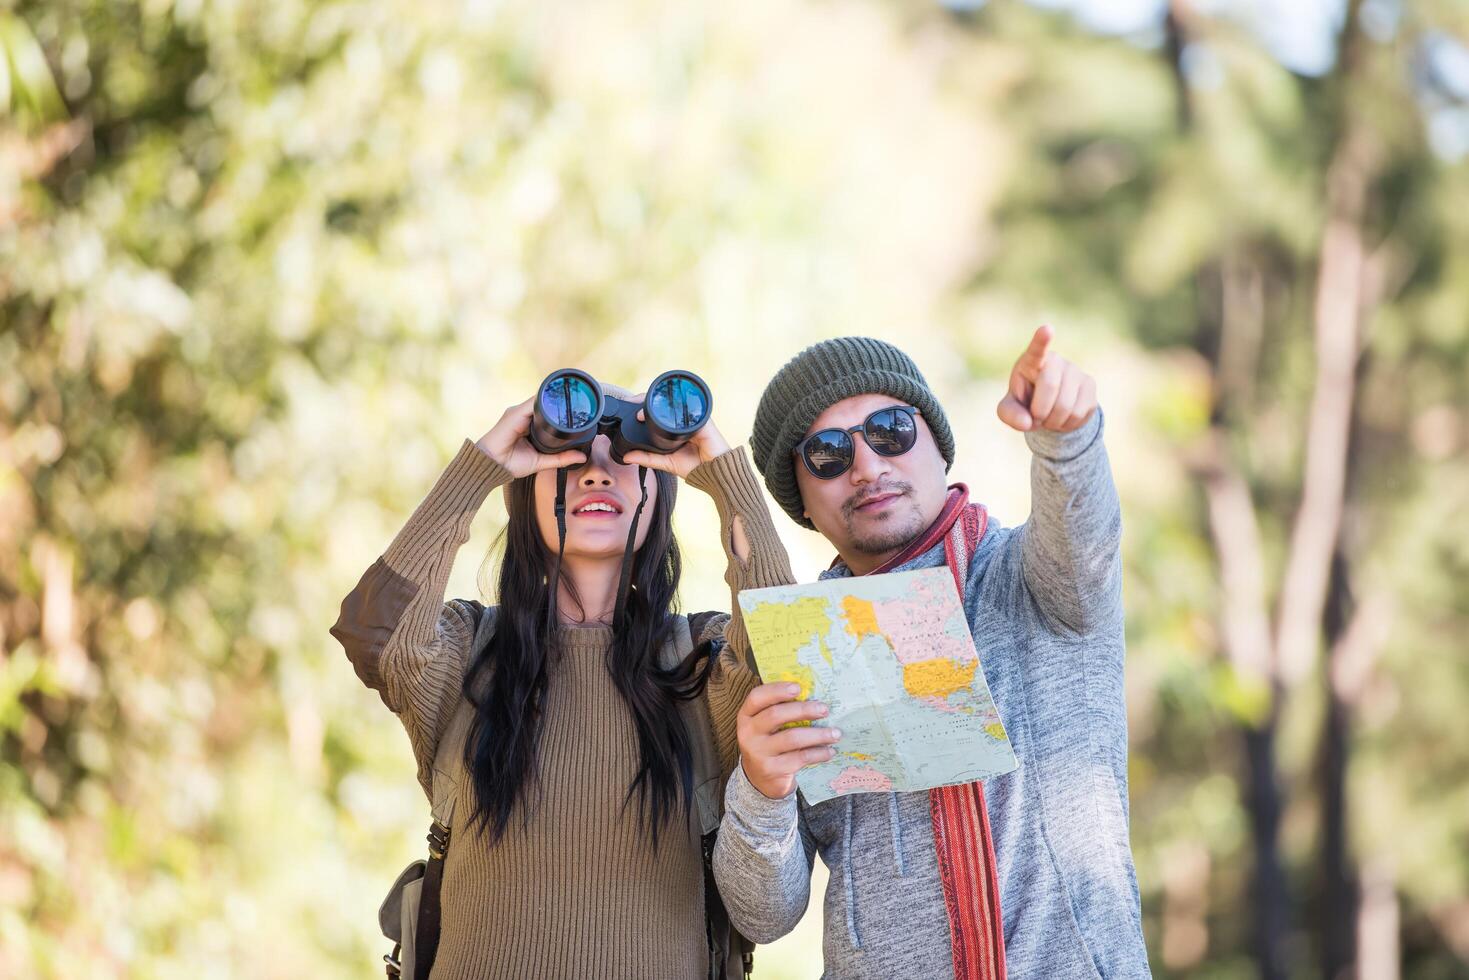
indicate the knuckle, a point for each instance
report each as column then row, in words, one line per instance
column 805, row 738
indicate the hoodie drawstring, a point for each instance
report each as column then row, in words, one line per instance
column 897, row 834
column 848, row 880
column 847, row 876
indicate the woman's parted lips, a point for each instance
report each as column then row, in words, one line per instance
column 597, row 498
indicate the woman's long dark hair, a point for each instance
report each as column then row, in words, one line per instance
column 507, row 680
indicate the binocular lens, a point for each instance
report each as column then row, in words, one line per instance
column 571, row 411
column 678, row 403
column 567, row 411
column 569, row 403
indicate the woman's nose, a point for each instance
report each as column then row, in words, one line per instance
column 596, row 470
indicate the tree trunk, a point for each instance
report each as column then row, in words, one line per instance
column 1271, row 897
column 1338, row 880
column 1379, row 952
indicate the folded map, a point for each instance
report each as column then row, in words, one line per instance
column 892, row 657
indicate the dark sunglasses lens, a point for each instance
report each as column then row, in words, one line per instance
column 891, row 432
column 568, row 402
column 828, row 453
column 678, row 403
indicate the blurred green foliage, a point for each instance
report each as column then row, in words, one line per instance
column 264, row 265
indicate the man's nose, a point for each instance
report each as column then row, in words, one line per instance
column 867, row 466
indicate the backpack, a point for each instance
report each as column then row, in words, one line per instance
column 409, row 916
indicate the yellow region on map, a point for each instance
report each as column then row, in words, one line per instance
column 861, row 617
column 790, row 626
column 781, row 630
column 939, row 677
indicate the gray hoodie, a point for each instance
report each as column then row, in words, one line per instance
column 1044, row 601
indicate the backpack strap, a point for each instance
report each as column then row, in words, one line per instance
column 698, row 622
column 445, row 793
column 450, row 750
column 731, row 955
column 708, row 793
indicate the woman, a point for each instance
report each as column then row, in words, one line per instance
column 576, row 840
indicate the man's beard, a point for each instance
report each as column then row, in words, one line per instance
column 901, row 525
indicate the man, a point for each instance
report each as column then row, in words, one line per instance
column 1031, row 871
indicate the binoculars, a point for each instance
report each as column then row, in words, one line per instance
column 571, row 410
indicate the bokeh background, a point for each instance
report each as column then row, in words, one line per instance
column 264, row 265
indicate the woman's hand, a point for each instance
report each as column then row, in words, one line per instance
column 702, row 446
column 507, row 444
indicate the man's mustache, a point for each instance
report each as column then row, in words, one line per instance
column 858, row 499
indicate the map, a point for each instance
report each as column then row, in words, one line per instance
column 892, row 657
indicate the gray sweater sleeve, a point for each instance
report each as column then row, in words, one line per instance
column 1071, row 545
column 762, row 861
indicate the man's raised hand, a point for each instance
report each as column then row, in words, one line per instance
column 1047, row 391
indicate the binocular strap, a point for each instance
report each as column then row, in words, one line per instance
column 555, row 580
column 632, row 533
column 626, row 576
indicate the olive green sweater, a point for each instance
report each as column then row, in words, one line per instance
column 577, row 890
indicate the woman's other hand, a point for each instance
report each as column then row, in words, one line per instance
column 704, row 445
column 508, row 445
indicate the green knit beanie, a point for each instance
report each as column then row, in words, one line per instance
column 819, row 377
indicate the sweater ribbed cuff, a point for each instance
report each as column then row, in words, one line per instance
column 1062, row 447
column 449, row 508
column 731, row 481
column 729, row 475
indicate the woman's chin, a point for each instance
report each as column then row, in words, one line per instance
column 597, row 543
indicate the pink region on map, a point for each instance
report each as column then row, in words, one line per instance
column 916, row 630
column 857, row 779
column 945, row 705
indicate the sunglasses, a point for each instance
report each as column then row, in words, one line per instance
column 828, row 453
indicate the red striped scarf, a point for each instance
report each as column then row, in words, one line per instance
column 961, row 823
